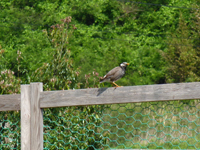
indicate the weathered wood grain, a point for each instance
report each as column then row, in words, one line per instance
column 36, row 117
column 25, row 117
column 128, row 94
column 10, row 102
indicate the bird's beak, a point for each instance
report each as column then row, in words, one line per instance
column 127, row 63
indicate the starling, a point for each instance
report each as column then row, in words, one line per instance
column 115, row 74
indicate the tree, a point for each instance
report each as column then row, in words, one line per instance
column 182, row 56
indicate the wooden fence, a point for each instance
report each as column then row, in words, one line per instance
column 32, row 99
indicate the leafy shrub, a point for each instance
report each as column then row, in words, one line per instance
column 76, row 127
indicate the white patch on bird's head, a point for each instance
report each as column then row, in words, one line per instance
column 123, row 64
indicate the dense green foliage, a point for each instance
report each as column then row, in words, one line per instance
column 106, row 34
column 69, row 44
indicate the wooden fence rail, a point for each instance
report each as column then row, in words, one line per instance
column 32, row 99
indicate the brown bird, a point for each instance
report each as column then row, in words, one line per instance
column 115, row 74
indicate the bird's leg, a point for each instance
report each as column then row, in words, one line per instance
column 112, row 84
column 115, row 84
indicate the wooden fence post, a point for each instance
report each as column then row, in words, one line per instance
column 31, row 117
column 25, row 117
column 36, row 117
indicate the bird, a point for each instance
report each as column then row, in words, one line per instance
column 115, row 74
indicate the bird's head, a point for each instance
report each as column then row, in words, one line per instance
column 124, row 64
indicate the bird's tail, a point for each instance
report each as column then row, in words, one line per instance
column 101, row 79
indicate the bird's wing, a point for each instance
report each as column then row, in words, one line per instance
column 112, row 72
